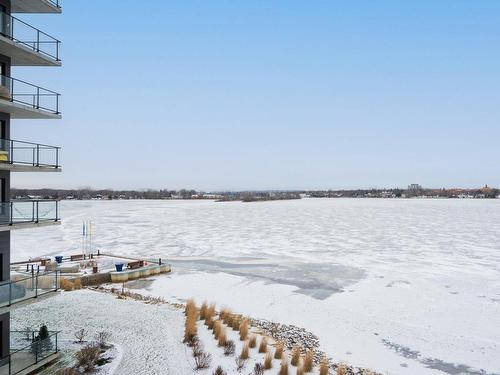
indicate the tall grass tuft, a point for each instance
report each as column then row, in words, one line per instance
column 295, row 356
column 222, row 337
column 342, row 369
column 217, row 328
column 300, row 370
column 190, row 327
column 190, row 305
column 252, row 342
column 66, row 285
column 236, row 322
column 245, row 352
column 308, row 361
column 268, row 361
column 263, row 345
column 209, row 314
column 211, row 323
column 203, row 310
column 323, row 366
column 244, row 326
column 283, row 367
column 278, row 354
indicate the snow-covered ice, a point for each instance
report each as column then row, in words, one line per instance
column 401, row 286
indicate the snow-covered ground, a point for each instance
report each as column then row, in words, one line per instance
column 401, row 286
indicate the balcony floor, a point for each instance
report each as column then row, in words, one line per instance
column 33, row 6
column 45, row 223
column 26, row 168
column 22, row 111
column 22, row 55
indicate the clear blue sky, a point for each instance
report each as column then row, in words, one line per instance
column 272, row 94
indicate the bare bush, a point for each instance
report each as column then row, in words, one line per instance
column 80, row 335
column 258, row 369
column 197, row 348
column 240, row 363
column 102, row 338
column 219, row 371
column 88, row 357
column 229, row 347
column 68, row 371
column 203, row 360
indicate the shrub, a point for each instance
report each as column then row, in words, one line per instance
column 245, row 351
column 87, row 357
column 252, row 343
column 295, row 356
column 240, row 363
column 258, row 369
column 80, row 335
column 102, row 338
column 323, row 366
column 229, row 347
column 203, row 360
column 308, row 361
column 263, row 345
column 278, row 354
column 268, row 361
column 244, row 325
column 197, row 348
column 284, row 367
column 219, row 371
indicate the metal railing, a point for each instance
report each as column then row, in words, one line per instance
column 54, row 3
column 32, row 284
column 23, row 33
column 28, row 349
column 28, row 211
column 18, row 91
column 27, row 153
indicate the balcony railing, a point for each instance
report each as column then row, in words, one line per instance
column 22, row 92
column 28, row 349
column 30, row 285
column 26, row 35
column 28, row 211
column 29, row 154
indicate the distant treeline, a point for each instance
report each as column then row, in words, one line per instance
column 251, row 196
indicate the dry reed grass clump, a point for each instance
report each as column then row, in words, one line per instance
column 342, row 369
column 227, row 317
column 283, row 367
column 190, row 327
column 300, row 370
column 268, row 361
column 263, row 345
column 77, row 283
column 222, row 337
column 278, row 354
column 209, row 314
column 236, row 322
column 244, row 327
column 245, row 352
column 211, row 323
column 295, row 356
column 323, row 366
column 67, row 285
column 217, row 328
column 308, row 361
column 252, row 342
column 203, row 310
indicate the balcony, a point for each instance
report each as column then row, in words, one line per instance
column 28, row 352
column 19, row 156
column 35, row 6
column 19, row 214
column 26, row 45
column 26, row 101
column 28, row 286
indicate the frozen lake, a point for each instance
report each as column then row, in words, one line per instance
column 401, row 286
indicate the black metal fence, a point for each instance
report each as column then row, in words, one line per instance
column 27, row 153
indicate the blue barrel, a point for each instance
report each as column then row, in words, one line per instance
column 119, row 267
column 59, row 258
